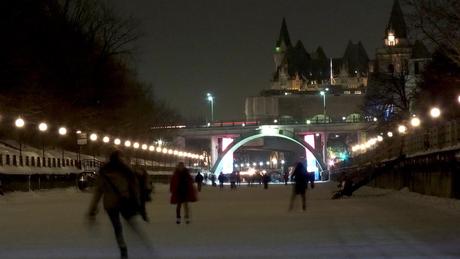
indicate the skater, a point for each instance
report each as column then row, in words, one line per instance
column 146, row 189
column 199, row 181
column 286, row 177
column 233, row 180
column 182, row 191
column 299, row 176
column 221, row 179
column 238, row 178
column 213, row 180
column 119, row 187
column 266, row 179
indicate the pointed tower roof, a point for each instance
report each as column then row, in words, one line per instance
column 284, row 35
column 397, row 24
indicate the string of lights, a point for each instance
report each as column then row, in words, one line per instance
column 402, row 129
column 106, row 139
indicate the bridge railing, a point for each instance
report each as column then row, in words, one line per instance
column 281, row 121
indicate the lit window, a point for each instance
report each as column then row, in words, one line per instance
column 391, row 40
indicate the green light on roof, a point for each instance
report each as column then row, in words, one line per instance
column 277, row 49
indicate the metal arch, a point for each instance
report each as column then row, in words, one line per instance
column 259, row 134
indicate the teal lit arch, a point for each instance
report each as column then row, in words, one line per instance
column 266, row 131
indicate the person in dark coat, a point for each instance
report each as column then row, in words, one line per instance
column 266, row 179
column 182, row 191
column 213, row 180
column 233, row 179
column 199, row 181
column 300, row 179
column 221, row 180
column 286, row 177
column 146, row 189
column 117, row 184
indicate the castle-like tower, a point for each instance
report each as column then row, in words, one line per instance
column 298, row 70
column 398, row 56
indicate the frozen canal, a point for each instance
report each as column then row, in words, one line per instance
column 247, row 223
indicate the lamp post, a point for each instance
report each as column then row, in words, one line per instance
column 210, row 98
column 43, row 127
column 62, row 132
column 323, row 94
column 20, row 123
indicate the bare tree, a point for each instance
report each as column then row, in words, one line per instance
column 438, row 21
column 100, row 23
column 387, row 97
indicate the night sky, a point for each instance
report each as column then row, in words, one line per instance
column 192, row 47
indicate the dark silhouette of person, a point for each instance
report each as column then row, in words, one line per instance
column 199, row 181
column 233, row 179
column 213, row 179
column 266, row 179
column 221, row 180
column 146, row 189
column 286, row 177
column 182, row 191
column 238, row 178
column 117, row 184
column 300, row 179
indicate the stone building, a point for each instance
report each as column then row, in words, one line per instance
column 300, row 76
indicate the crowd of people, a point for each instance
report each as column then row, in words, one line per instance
column 125, row 191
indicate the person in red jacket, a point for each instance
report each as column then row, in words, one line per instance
column 182, row 191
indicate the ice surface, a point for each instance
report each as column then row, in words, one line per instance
column 247, row 223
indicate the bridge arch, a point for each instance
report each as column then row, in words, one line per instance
column 265, row 131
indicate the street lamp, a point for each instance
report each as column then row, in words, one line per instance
column 62, row 131
column 435, row 112
column 323, row 94
column 210, row 99
column 117, row 141
column 402, row 129
column 42, row 127
column 20, row 123
column 415, row 122
column 93, row 137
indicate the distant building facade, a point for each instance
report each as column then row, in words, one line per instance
column 300, row 76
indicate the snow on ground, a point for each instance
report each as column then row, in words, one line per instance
column 247, row 223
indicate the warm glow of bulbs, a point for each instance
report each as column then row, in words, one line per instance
column 93, row 137
column 62, row 131
column 402, row 129
column 19, row 123
column 43, row 126
column 435, row 112
column 415, row 122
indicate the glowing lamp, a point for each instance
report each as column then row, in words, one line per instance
column 415, row 122
column 117, row 141
column 42, row 127
column 62, row 131
column 19, row 122
column 435, row 112
column 93, row 137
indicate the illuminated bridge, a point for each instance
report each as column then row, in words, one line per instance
column 226, row 137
